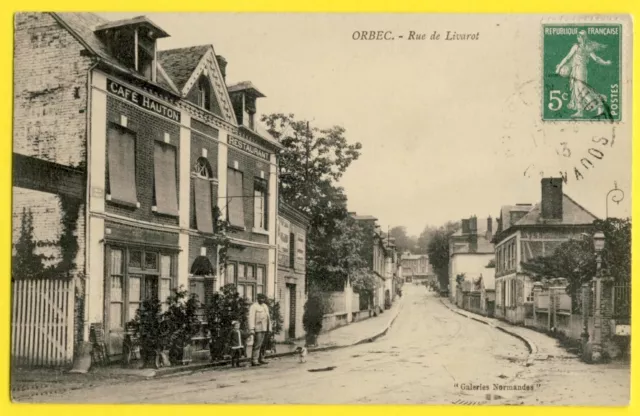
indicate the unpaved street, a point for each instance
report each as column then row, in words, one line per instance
column 431, row 355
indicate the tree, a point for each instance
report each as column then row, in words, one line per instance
column 310, row 164
column 425, row 238
column 365, row 283
column 438, row 251
column 430, row 231
column 26, row 262
column 575, row 259
column 404, row 242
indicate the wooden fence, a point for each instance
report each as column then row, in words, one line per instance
column 42, row 322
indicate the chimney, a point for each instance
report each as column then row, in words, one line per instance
column 465, row 226
column 489, row 225
column 222, row 63
column 551, row 205
column 473, row 225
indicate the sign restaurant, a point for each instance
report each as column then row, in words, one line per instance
column 249, row 148
column 142, row 100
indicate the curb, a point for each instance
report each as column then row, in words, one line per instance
column 533, row 350
column 183, row 370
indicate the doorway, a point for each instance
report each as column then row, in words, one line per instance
column 291, row 288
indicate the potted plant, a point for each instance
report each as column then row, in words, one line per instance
column 224, row 307
column 182, row 325
column 150, row 328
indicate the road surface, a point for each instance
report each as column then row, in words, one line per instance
column 431, row 355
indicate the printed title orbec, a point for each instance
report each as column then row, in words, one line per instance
column 449, row 35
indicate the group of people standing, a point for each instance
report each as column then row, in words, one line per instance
column 259, row 326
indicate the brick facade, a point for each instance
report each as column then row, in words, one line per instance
column 53, row 122
column 49, row 124
column 250, row 168
column 50, row 91
column 148, row 129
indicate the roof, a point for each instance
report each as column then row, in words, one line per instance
column 82, row 26
column 180, row 63
column 135, row 21
column 484, row 245
column 505, row 213
column 572, row 214
column 245, row 85
column 364, row 217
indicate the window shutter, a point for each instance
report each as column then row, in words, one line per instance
column 122, row 164
column 235, row 200
column 204, row 215
column 166, row 186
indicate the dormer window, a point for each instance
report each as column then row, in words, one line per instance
column 133, row 43
column 243, row 98
column 204, row 94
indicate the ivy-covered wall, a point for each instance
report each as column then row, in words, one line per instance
column 58, row 235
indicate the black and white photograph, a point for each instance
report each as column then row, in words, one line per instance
column 321, row 208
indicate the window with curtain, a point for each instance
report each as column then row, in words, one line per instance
column 260, row 204
column 135, row 274
column 165, row 182
column 121, row 161
column 235, row 198
column 203, row 199
column 250, row 279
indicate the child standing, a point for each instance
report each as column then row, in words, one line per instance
column 235, row 343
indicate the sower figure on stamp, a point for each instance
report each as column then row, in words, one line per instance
column 583, row 97
column 259, row 327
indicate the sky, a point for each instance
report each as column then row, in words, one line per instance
column 449, row 129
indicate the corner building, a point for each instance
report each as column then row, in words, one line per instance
column 165, row 143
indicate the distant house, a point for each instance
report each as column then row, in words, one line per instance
column 525, row 232
column 470, row 251
column 375, row 252
column 416, row 267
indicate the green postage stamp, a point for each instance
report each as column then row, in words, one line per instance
column 581, row 72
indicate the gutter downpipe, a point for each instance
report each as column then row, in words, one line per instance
column 87, row 222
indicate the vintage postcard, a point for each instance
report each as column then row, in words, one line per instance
column 238, row 208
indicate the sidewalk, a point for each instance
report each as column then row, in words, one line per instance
column 541, row 346
column 55, row 380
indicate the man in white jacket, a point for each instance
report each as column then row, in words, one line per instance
column 259, row 326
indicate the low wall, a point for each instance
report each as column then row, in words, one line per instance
column 361, row 315
column 334, row 320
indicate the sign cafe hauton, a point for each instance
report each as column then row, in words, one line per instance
column 142, row 100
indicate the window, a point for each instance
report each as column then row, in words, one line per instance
column 204, row 94
column 121, row 161
column 165, row 182
column 146, row 53
column 261, row 277
column 235, row 198
column 292, row 250
column 231, row 274
column 133, row 48
column 250, row 279
column 528, row 291
column 133, row 276
column 202, row 196
column 260, row 204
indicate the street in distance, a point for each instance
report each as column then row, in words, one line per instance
column 413, row 35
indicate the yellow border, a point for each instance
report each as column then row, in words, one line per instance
column 398, row 6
